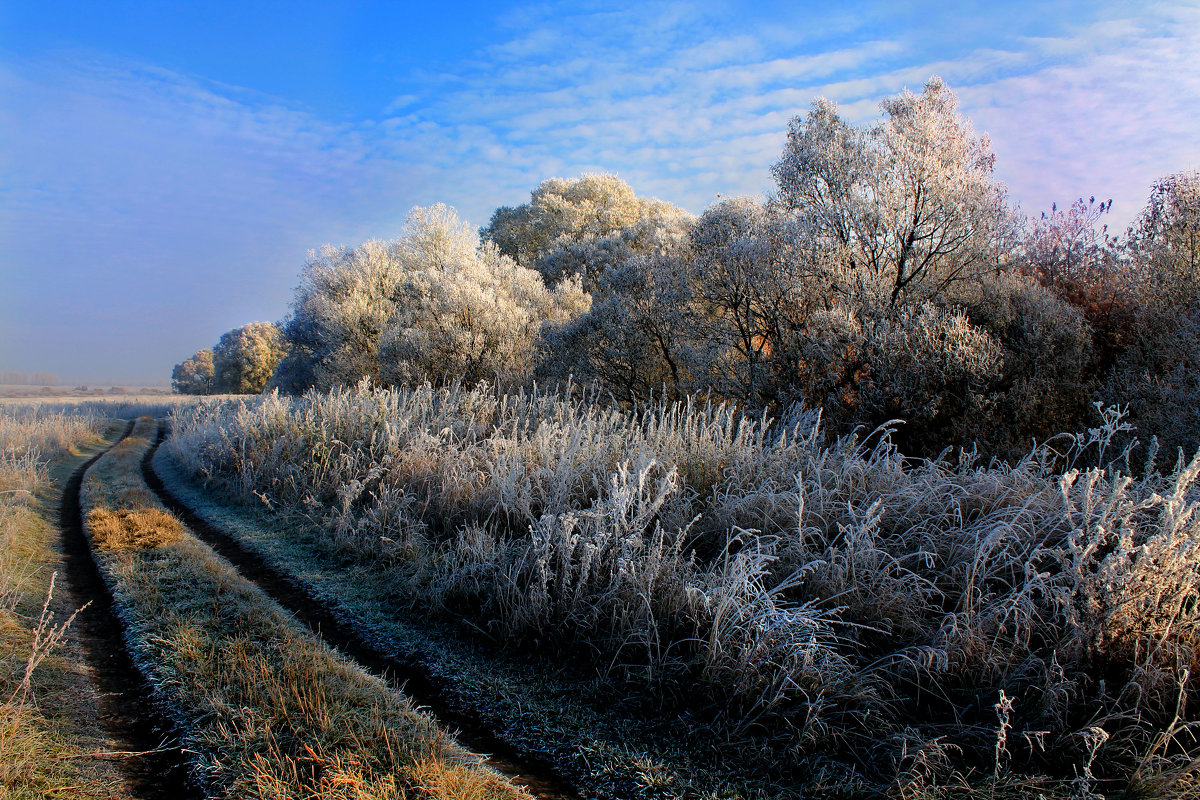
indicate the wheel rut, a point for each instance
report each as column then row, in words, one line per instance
column 149, row 750
column 412, row 678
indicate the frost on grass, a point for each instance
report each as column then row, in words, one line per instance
column 825, row 590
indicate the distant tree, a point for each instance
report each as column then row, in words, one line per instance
column 195, row 375
column 1069, row 243
column 245, row 358
column 906, row 207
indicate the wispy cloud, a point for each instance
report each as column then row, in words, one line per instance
column 1113, row 110
column 685, row 109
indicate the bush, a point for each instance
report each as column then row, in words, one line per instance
column 1048, row 371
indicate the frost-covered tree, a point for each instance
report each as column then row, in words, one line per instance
column 433, row 304
column 343, row 303
column 1158, row 374
column 245, row 358
column 468, row 312
column 908, row 206
column 194, row 375
column 753, row 280
column 1068, row 243
column 634, row 341
column 1070, row 252
column 583, row 226
column 1166, row 236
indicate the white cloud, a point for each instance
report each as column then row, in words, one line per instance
column 1117, row 113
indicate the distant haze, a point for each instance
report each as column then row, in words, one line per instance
column 163, row 169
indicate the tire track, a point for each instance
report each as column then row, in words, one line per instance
column 411, row 678
column 152, row 759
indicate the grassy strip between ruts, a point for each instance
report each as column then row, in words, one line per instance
column 608, row 746
column 268, row 710
column 51, row 740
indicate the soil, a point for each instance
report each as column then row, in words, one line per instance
column 148, row 745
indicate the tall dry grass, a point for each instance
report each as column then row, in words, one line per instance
column 45, row 431
column 830, row 592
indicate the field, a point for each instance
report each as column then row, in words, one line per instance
column 675, row 601
column 848, row 620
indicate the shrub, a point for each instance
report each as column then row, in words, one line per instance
column 1047, row 375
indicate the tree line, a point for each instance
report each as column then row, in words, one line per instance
column 15, row 378
column 886, row 277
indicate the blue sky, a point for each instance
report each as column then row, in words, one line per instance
column 164, row 167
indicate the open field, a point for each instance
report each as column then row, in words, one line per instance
column 123, row 406
column 9, row 392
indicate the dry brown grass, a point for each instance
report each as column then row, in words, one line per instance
column 132, row 529
column 443, row 781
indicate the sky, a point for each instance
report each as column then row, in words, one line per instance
column 165, row 167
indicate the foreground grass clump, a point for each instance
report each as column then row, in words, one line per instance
column 922, row 625
column 132, row 529
column 44, row 752
column 268, row 711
